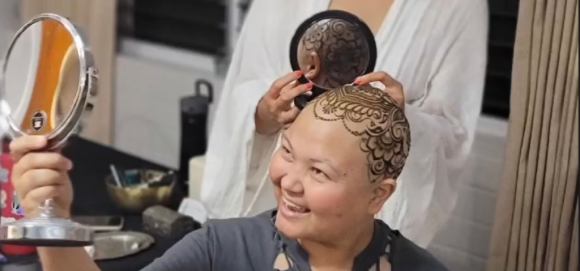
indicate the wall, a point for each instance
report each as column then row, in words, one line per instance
column 147, row 93
column 146, row 124
column 463, row 243
column 9, row 23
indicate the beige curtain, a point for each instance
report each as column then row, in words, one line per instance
column 98, row 19
column 536, row 224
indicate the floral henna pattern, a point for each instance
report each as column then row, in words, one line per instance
column 374, row 116
column 342, row 48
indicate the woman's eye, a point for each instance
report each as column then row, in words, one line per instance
column 319, row 173
column 286, row 154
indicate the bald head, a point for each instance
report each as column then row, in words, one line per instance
column 374, row 118
column 333, row 52
column 339, row 161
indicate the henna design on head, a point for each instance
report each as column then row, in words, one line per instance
column 342, row 48
column 372, row 115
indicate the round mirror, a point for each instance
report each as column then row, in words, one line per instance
column 47, row 84
column 48, row 79
column 331, row 48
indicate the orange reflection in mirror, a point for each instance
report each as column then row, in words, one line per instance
column 56, row 41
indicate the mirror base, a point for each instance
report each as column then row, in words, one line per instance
column 46, row 232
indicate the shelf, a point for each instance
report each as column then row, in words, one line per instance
column 204, row 13
column 198, row 25
column 501, row 44
column 197, row 38
column 504, row 15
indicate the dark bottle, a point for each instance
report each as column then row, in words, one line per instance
column 194, row 118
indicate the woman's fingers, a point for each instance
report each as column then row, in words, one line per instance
column 382, row 77
column 289, row 87
column 34, row 179
column 287, row 117
column 25, row 144
column 278, row 85
column 287, row 113
column 49, row 160
column 40, row 177
column 35, row 197
column 40, row 160
column 272, row 107
column 392, row 86
column 288, row 96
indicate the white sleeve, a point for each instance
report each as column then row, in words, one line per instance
column 251, row 72
column 443, row 127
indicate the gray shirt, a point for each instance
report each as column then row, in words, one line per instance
column 254, row 244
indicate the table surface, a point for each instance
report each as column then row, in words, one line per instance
column 91, row 165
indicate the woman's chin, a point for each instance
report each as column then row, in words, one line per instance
column 290, row 229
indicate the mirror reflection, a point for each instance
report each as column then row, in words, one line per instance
column 333, row 53
column 43, row 63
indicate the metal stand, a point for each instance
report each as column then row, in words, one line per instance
column 46, row 230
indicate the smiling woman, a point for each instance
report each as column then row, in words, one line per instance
column 327, row 196
column 328, row 199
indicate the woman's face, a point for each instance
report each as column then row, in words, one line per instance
column 321, row 181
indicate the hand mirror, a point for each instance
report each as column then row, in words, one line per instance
column 332, row 48
column 47, row 84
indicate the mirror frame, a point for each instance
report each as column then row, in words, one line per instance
column 86, row 92
column 302, row 100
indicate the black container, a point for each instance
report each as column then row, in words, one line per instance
column 194, row 118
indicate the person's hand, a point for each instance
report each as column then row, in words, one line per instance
column 275, row 109
column 392, row 86
column 39, row 175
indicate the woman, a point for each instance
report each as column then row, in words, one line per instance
column 436, row 50
column 328, row 197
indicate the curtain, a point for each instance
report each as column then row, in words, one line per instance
column 536, row 223
column 98, row 20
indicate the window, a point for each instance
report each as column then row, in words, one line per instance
column 198, row 25
column 502, row 30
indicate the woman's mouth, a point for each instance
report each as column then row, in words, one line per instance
column 294, row 209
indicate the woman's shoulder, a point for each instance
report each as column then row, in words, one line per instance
column 241, row 224
column 224, row 244
column 241, row 233
column 409, row 256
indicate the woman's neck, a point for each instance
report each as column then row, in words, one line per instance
column 346, row 248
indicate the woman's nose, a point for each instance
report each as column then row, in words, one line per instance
column 292, row 183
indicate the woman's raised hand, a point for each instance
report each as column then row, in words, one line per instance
column 392, row 86
column 40, row 175
column 275, row 109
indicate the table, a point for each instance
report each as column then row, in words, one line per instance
column 91, row 164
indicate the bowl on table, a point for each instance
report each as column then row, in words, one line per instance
column 141, row 189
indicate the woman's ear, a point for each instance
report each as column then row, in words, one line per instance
column 313, row 69
column 381, row 193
